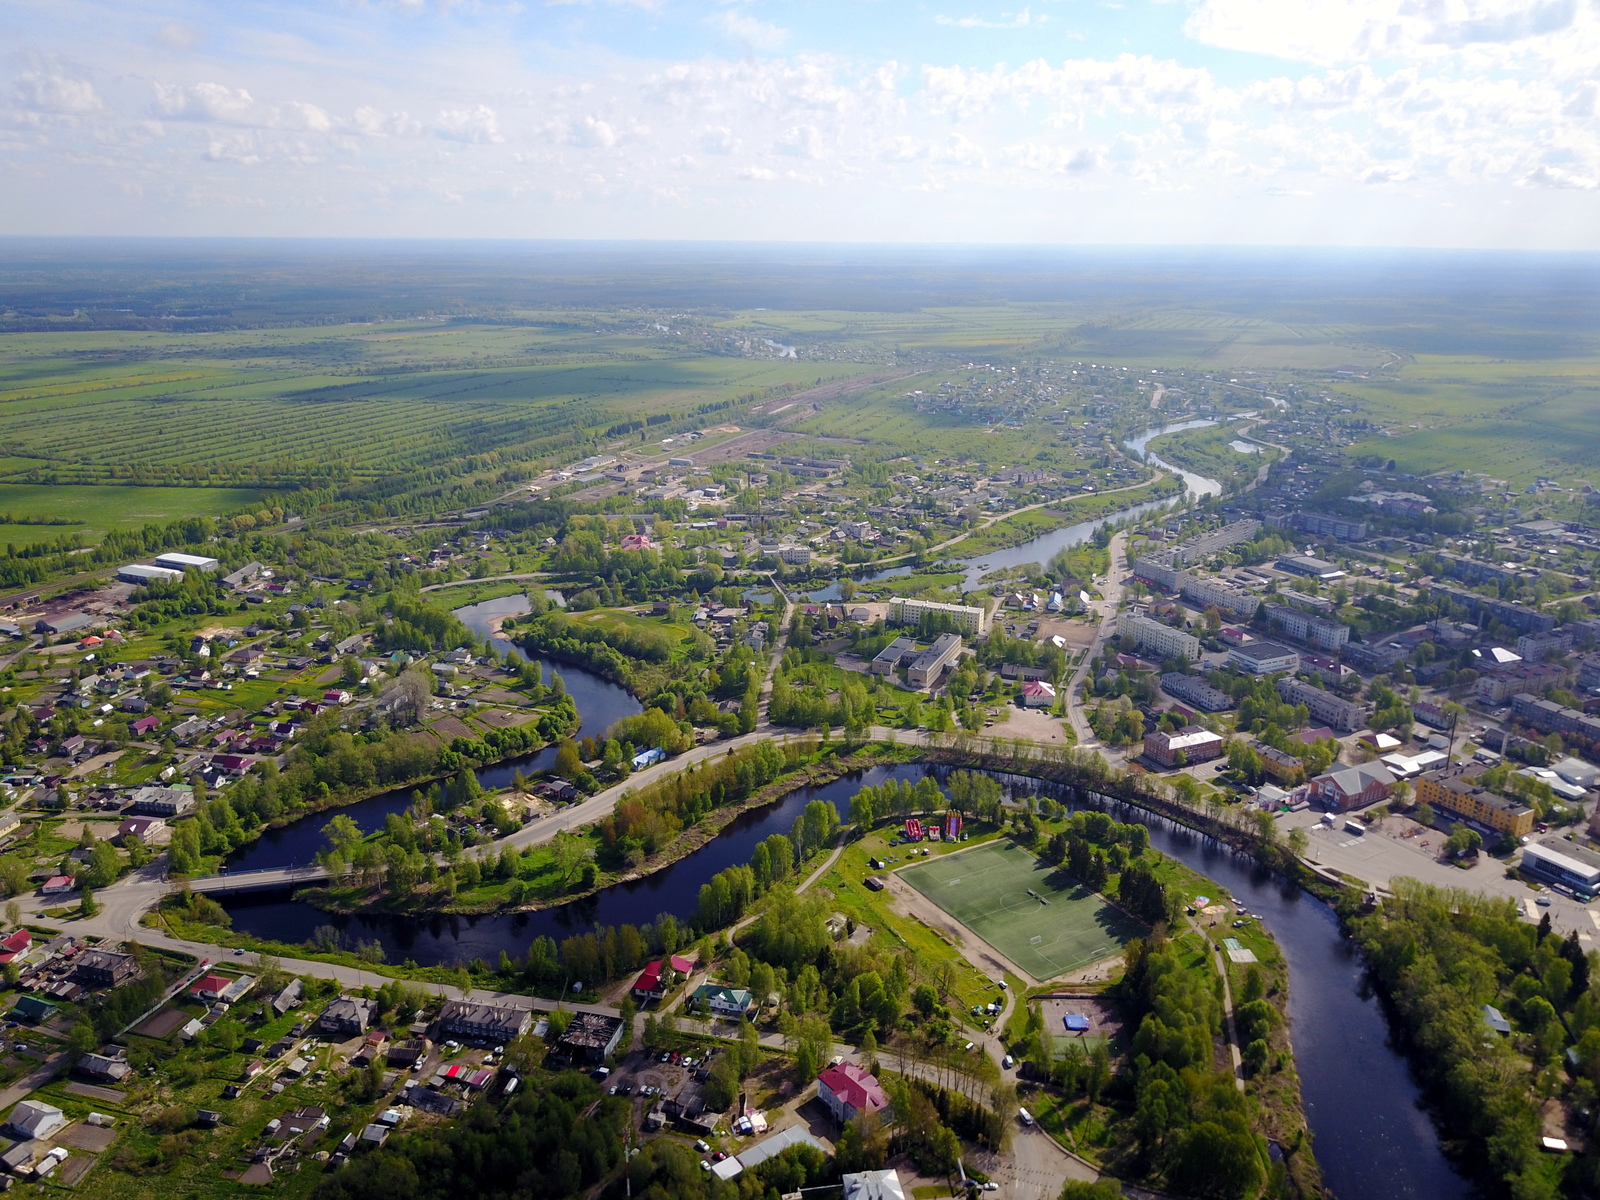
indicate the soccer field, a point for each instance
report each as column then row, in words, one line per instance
column 1056, row 929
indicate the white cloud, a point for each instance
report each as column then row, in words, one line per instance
column 757, row 174
column 757, row 34
column 719, row 139
column 1547, row 176
column 1020, row 20
column 376, row 123
column 801, row 141
column 478, row 125
column 1334, row 31
column 55, row 91
column 204, row 102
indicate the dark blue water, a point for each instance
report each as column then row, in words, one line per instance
column 1371, row 1136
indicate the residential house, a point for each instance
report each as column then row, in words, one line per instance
column 33, row 1119
column 347, row 1016
column 847, row 1090
column 471, row 1021
column 106, row 1068
column 732, row 1003
column 104, row 969
column 221, row 989
column 14, row 944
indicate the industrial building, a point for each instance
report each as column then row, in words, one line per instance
column 141, row 574
column 186, row 562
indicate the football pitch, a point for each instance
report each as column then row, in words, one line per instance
column 1058, row 928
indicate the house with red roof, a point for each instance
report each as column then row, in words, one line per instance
column 658, row 976
column 848, row 1090
column 14, row 945
column 215, row 988
column 145, row 725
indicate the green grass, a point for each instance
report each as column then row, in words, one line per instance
column 986, row 889
column 100, row 509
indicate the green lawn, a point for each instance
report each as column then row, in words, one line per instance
column 987, row 890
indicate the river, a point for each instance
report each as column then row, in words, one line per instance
column 1047, row 545
column 600, row 702
column 1371, row 1136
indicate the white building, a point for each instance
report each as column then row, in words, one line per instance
column 1160, row 639
column 1206, row 592
column 1264, row 658
column 974, row 621
column 186, row 562
column 931, row 663
column 1308, row 627
column 141, row 574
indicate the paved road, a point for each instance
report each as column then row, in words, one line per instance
column 1110, row 600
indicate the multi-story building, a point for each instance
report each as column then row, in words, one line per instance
column 970, row 620
column 1308, row 627
column 1159, row 570
column 471, row 1021
column 1193, row 742
column 1207, row 592
column 1346, row 529
column 891, row 656
column 1264, row 658
column 1549, row 717
column 1196, row 691
column 1536, row 647
column 928, row 666
column 1342, row 715
column 1280, row 764
column 1508, row 612
column 1454, row 790
column 1159, row 639
column 1494, row 690
column 1319, row 631
column 1365, row 656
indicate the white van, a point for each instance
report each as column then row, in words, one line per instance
column 1024, row 1116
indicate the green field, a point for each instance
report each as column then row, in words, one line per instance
column 297, row 406
column 986, row 889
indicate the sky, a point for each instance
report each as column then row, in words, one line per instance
column 1440, row 123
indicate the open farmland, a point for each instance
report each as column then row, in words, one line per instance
column 1511, row 420
column 297, row 406
column 1024, row 908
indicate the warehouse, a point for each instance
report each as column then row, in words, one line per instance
column 141, row 574
column 186, row 562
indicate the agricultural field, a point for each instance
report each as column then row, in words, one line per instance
column 1026, row 909
column 1514, row 421
column 299, row 406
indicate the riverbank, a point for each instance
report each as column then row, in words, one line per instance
column 1021, row 528
column 688, row 841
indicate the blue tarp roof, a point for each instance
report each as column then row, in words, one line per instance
column 1075, row 1022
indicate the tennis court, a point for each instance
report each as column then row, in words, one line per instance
column 1029, row 911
